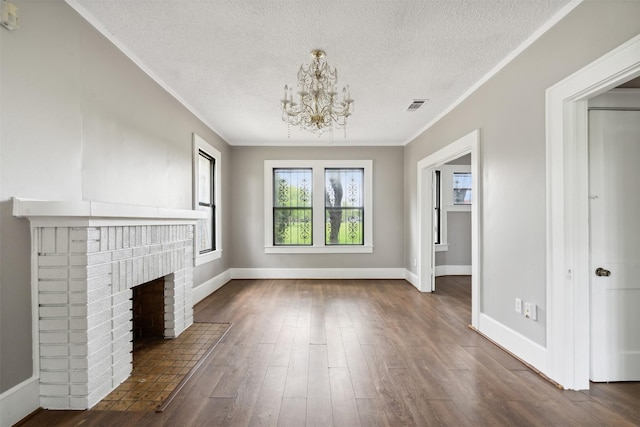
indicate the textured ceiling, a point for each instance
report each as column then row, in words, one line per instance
column 228, row 60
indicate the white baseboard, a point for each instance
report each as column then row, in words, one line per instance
column 318, row 273
column 412, row 278
column 530, row 352
column 19, row 401
column 210, row 286
column 453, row 270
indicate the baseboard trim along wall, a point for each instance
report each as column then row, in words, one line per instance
column 522, row 347
column 19, row 401
column 318, row 273
column 205, row 289
column 453, row 270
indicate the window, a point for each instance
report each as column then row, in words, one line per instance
column 318, row 206
column 206, row 191
column 344, row 207
column 462, row 188
column 292, row 211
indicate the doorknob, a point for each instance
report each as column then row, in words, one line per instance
column 602, row 272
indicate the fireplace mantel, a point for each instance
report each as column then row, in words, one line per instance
column 46, row 212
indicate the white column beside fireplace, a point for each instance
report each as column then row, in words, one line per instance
column 86, row 259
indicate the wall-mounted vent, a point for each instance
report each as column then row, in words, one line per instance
column 416, row 104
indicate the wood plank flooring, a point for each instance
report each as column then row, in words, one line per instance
column 361, row 353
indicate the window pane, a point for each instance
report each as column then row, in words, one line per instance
column 344, row 206
column 205, row 169
column 205, row 230
column 292, row 212
column 462, row 188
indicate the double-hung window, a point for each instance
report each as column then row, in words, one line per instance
column 318, row 206
column 206, row 198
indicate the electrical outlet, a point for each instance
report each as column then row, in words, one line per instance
column 530, row 311
column 518, row 305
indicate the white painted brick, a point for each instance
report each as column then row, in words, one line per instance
column 54, row 402
column 112, row 239
column 53, row 325
column 80, row 260
column 78, row 324
column 98, row 282
column 102, row 329
column 97, row 319
column 126, row 235
column 53, row 286
column 104, row 239
column 99, row 305
column 77, row 298
column 140, row 251
column 121, row 309
column 124, row 341
column 98, row 294
column 93, row 246
column 79, row 377
column 62, row 311
column 129, row 274
column 78, row 337
column 121, row 331
column 78, row 272
column 54, row 350
column 118, row 237
column 79, row 234
column 99, row 393
column 54, row 377
column 115, row 276
column 54, row 389
column 53, row 298
column 79, row 402
column 123, row 275
column 122, row 297
column 54, row 364
column 79, row 390
column 46, row 312
column 53, row 260
column 98, row 270
column 78, row 247
column 62, row 240
column 99, row 371
column 47, row 240
column 78, row 350
column 122, row 254
column 54, row 337
column 97, row 343
column 53, row 272
column 77, row 310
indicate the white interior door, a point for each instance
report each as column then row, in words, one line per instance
column 614, row 186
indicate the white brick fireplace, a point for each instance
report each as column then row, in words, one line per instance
column 86, row 258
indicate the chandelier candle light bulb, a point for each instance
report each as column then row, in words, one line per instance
column 319, row 109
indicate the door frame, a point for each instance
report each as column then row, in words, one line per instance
column 469, row 143
column 567, row 231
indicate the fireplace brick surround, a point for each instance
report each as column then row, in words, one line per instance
column 86, row 259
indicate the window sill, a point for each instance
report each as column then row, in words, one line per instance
column 208, row 257
column 318, row 249
column 441, row 247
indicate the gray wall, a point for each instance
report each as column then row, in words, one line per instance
column 458, row 239
column 79, row 121
column 247, row 223
column 509, row 110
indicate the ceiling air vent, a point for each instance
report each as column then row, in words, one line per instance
column 416, row 104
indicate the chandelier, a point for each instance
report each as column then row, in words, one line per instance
column 319, row 108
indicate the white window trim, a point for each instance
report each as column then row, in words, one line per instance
column 318, row 167
column 200, row 144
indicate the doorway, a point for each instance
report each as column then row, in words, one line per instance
column 425, row 260
column 568, row 263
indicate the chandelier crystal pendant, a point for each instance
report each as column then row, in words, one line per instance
column 319, row 108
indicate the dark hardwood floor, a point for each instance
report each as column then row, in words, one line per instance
column 361, row 352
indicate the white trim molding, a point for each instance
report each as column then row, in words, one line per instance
column 205, row 289
column 469, row 143
column 19, row 401
column 453, row 270
column 522, row 347
column 318, row 273
column 568, row 275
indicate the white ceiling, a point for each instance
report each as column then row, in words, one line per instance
column 228, row 60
